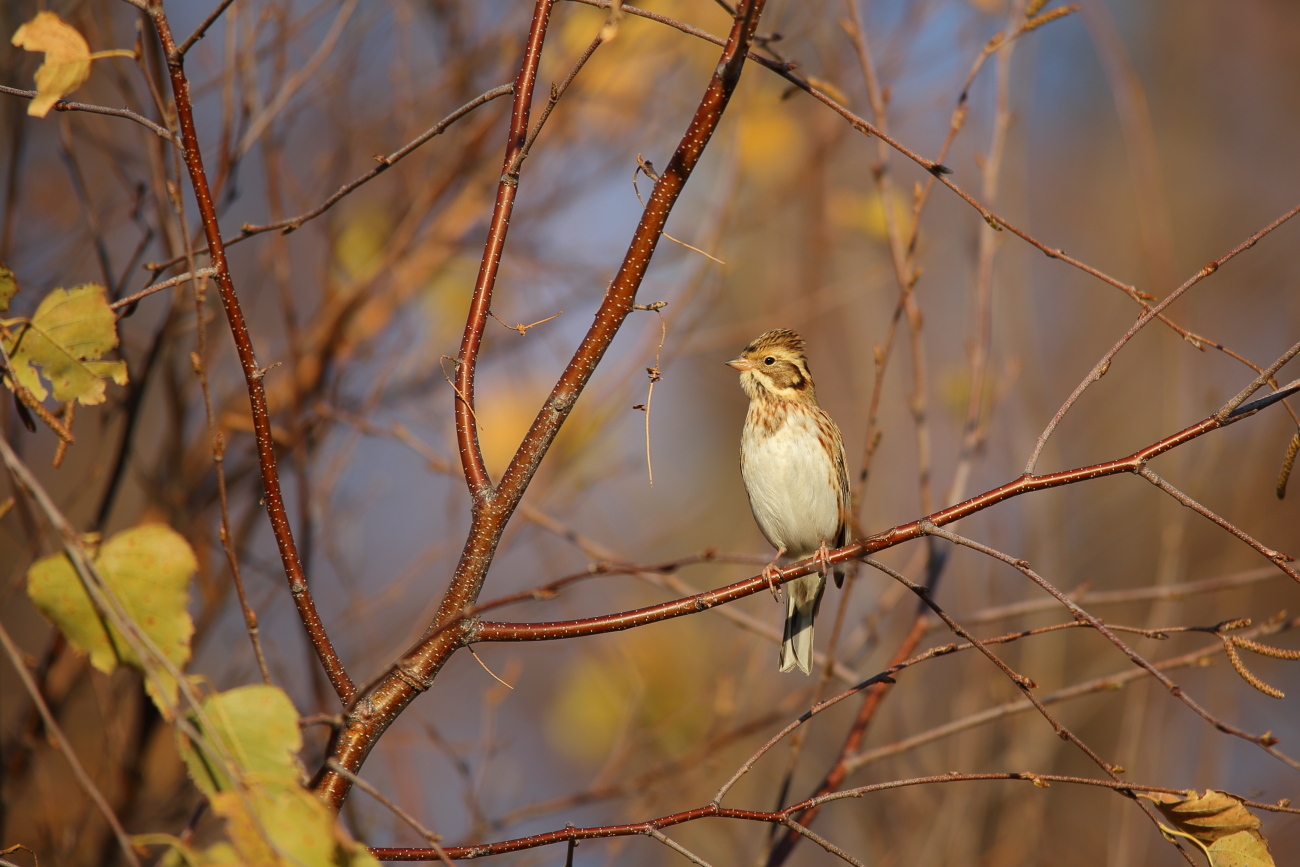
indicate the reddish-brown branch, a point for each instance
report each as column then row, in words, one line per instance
column 253, row 373
column 493, row 631
column 780, row 817
column 471, row 454
column 370, row 717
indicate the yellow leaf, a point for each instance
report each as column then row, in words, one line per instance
column 286, row 828
column 257, row 726
column 67, row 59
column 271, row 820
column 1219, row 823
column 148, row 569
column 1242, row 849
column 70, row 328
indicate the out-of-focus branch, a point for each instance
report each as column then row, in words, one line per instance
column 935, row 167
column 65, row 747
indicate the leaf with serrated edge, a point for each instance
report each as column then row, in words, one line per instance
column 70, row 331
column 148, row 569
column 67, row 59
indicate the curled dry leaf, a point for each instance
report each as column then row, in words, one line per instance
column 67, row 59
column 1220, row 824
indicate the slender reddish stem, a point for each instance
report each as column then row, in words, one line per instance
column 253, row 373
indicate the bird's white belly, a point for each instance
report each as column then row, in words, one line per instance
column 793, row 487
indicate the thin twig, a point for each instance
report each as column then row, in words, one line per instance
column 431, row 838
column 65, row 105
column 65, row 747
column 253, row 372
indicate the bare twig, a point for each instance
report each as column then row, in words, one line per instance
column 65, row 747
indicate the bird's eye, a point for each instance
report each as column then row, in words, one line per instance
column 769, row 360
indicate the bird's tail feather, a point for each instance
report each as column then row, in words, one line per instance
column 797, row 643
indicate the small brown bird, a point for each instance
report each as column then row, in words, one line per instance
column 792, row 461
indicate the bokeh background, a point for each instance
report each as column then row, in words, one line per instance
column 1143, row 139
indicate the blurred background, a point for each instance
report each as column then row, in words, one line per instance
column 1143, row 139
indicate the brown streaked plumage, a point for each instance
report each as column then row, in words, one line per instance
column 792, row 461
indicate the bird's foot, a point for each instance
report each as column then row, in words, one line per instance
column 823, row 558
column 771, row 572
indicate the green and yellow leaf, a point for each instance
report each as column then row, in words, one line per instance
column 257, row 727
column 148, row 570
column 62, row 344
column 246, row 762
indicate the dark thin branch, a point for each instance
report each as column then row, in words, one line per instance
column 1100, row 368
column 1106, row 683
column 202, row 29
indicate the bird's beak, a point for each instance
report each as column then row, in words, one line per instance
column 740, row 363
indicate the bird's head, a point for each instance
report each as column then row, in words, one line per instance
column 773, row 366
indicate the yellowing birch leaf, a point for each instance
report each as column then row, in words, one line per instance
column 67, row 59
column 257, row 727
column 286, row 828
column 270, row 819
column 148, row 569
column 70, row 331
